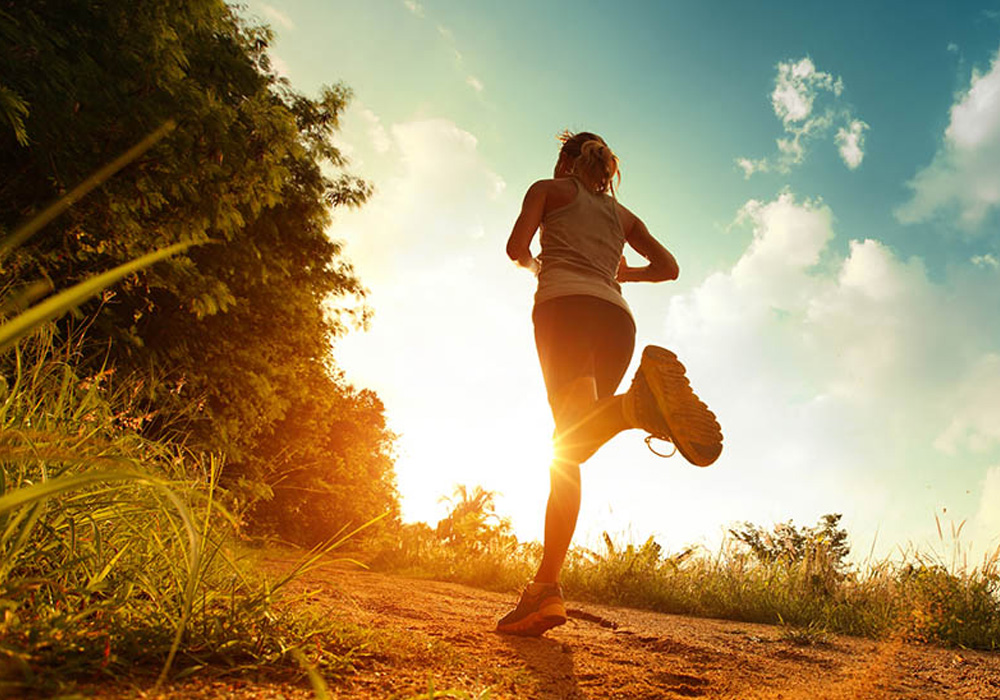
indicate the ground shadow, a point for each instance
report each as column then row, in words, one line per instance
column 550, row 663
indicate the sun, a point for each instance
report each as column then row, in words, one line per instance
column 504, row 446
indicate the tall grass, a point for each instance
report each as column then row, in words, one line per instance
column 497, row 562
column 115, row 551
column 921, row 597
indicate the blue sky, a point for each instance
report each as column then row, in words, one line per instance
column 826, row 176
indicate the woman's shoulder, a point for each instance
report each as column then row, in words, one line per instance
column 554, row 184
column 558, row 192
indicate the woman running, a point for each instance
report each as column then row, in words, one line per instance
column 585, row 335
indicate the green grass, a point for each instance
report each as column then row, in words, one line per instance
column 497, row 562
column 116, row 552
column 919, row 597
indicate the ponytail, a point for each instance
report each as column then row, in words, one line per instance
column 593, row 160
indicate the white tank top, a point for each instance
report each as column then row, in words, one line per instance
column 582, row 244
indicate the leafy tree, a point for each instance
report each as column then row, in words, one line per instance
column 335, row 437
column 235, row 334
column 472, row 520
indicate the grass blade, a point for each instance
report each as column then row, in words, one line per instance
column 57, row 305
column 95, row 179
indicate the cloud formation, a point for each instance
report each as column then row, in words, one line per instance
column 799, row 90
column 376, row 132
column 987, row 521
column 854, row 369
column 962, row 182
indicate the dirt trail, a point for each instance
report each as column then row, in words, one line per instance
column 445, row 633
column 442, row 632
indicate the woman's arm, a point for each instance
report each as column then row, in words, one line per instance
column 662, row 264
column 528, row 221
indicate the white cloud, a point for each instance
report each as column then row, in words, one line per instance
column 787, row 241
column 976, row 422
column 849, row 382
column 852, row 142
column 275, row 15
column 278, row 64
column 376, row 132
column 750, row 166
column 474, row 82
column 414, row 7
column 962, row 182
column 988, row 260
column 798, row 88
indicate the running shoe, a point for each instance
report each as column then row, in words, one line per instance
column 661, row 402
column 540, row 608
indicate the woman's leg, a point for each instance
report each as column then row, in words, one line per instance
column 584, row 424
column 586, row 413
column 580, row 378
column 599, row 421
column 563, row 507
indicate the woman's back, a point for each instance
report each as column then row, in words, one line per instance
column 582, row 242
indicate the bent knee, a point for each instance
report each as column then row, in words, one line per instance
column 573, row 401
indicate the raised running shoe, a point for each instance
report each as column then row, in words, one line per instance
column 661, row 402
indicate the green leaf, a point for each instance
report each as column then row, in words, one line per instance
column 57, row 305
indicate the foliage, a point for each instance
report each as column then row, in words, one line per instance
column 115, row 550
column 232, row 336
column 472, row 521
column 621, row 575
column 963, row 608
column 471, row 545
column 333, row 457
column 796, row 578
column 787, row 543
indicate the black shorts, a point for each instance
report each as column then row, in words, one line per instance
column 583, row 336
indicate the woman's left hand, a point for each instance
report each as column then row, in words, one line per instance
column 622, row 270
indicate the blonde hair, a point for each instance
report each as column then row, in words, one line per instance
column 592, row 159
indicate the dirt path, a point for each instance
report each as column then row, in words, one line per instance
column 445, row 634
column 442, row 633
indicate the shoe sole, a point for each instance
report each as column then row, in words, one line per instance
column 534, row 625
column 551, row 613
column 693, row 428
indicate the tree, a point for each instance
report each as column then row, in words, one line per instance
column 234, row 334
column 472, row 520
column 332, row 459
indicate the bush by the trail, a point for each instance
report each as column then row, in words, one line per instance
column 944, row 606
column 807, row 585
column 786, row 542
column 415, row 549
column 333, row 465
